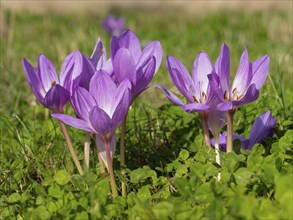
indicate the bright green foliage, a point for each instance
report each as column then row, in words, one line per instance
column 170, row 174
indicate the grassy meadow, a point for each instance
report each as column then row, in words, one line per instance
column 169, row 175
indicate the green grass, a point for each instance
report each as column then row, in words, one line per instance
column 160, row 175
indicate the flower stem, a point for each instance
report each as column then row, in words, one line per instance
column 70, row 146
column 230, row 115
column 122, row 155
column 110, row 169
column 87, row 152
column 217, row 150
column 203, row 115
column 102, row 165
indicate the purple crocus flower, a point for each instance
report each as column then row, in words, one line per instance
column 261, row 128
column 100, row 61
column 195, row 89
column 100, row 110
column 249, row 78
column 129, row 62
column 45, row 84
column 113, row 26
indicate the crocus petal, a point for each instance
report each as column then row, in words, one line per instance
column 202, row 66
column 76, row 65
column 128, row 40
column 108, row 67
column 223, row 140
column 100, row 121
column 181, row 78
column 153, row 49
column 33, row 80
column 261, row 128
column 74, row 122
column 124, row 66
column 121, row 103
column 102, row 150
column 216, row 120
column 173, row 98
column 222, row 68
column 243, row 76
column 215, row 86
column 250, row 96
column 195, row 107
column 82, row 103
column 102, row 88
column 145, row 74
column 46, row 72
column 98, row 56
column 260, row 70
column 56, row 98
column 224, row 106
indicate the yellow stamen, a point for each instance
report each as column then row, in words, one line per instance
column 195, row 99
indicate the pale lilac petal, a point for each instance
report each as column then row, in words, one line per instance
column 82, row 103
column 124, row 66
column 216, row 120
column 181, row 78
column 215, row 86
column 223, row 140
column 173, row 98
column 33, row 80
column 46, row 72
column 261, row 128
column 260, row 70
column 56, row 98
column 100, row 121
column 145, row 74
column 153, row 49
column 243, row 76
column 74, row 122
column 225, row 106
column 99, row 56
column 102, row 88
column 202, row 66
column 128, row 40
column 195, row 107
column 250, row 96
column 108, row 67
column 102, row 150
column 121, row 104
column 222, row 68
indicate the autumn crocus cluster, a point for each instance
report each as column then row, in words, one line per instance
column 208, row 90
column 100, row 90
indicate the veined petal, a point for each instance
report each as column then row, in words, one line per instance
column 202, row 66
column 153, row 49
column 100, row 121
column 225, row 106
column 82, row 103
column 195, row 107
column 181, row 78
column 99, row 56
column 102, row 150
column 108, row 67
column 222, row 68
column 145, row 74
column 260, row 70
column 121, row 104
column 46, row 72
column 173, row 98
column 33, row 80
column 261, row 128
column 74, row 122
column 56, row 98
column 243, row 76
column 102, row 88
column 215, row 86
column 124, row 66
column 250, row 96
column 128, row 40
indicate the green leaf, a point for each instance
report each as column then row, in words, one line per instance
column 144, row 193
column 62, row 177
column 55, row 191
column 14, row 198
column 184, row 154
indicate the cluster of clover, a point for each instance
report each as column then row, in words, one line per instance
column 101, row 91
